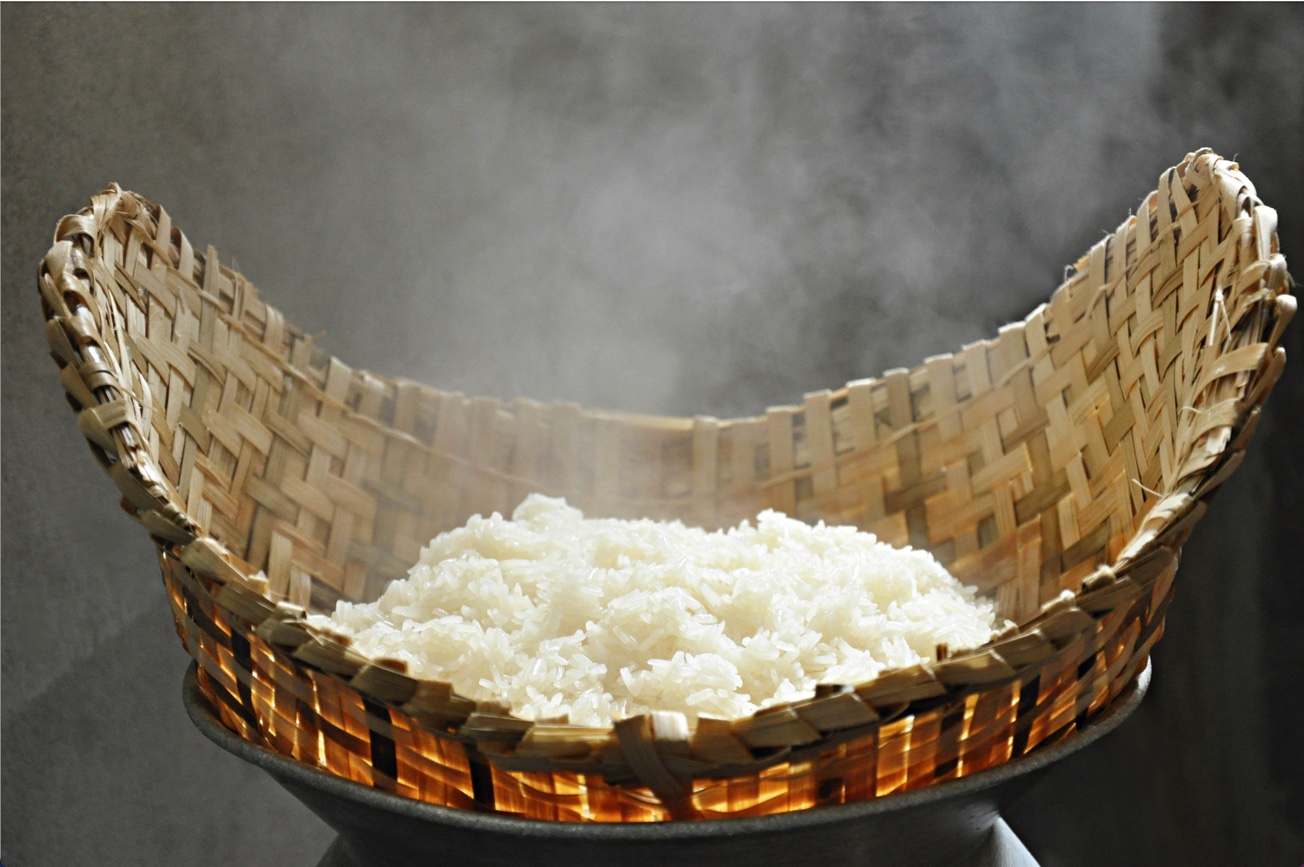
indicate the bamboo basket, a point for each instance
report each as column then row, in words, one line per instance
column 1074, row 452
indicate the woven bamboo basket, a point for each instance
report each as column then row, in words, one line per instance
column 1074, row 452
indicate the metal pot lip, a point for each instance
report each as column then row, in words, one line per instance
column 296, row 773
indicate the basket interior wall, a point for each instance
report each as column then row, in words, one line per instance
column 1023, row 462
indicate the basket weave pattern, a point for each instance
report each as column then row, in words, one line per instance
column 1074, row 452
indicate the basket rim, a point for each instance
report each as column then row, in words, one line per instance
column 1147, row 561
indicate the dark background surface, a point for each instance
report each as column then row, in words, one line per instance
column 672, row 209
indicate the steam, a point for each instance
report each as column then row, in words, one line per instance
column 710, row 209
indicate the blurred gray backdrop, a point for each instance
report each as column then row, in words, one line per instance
column 684, row 209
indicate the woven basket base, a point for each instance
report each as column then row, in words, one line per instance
column 933, row 826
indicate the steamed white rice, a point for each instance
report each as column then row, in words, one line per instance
column 558, row 615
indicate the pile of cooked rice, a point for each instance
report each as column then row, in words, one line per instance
column 557, row 615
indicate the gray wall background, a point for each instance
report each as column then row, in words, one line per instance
column 700, row 209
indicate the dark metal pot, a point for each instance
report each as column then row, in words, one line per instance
column 951, row 823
